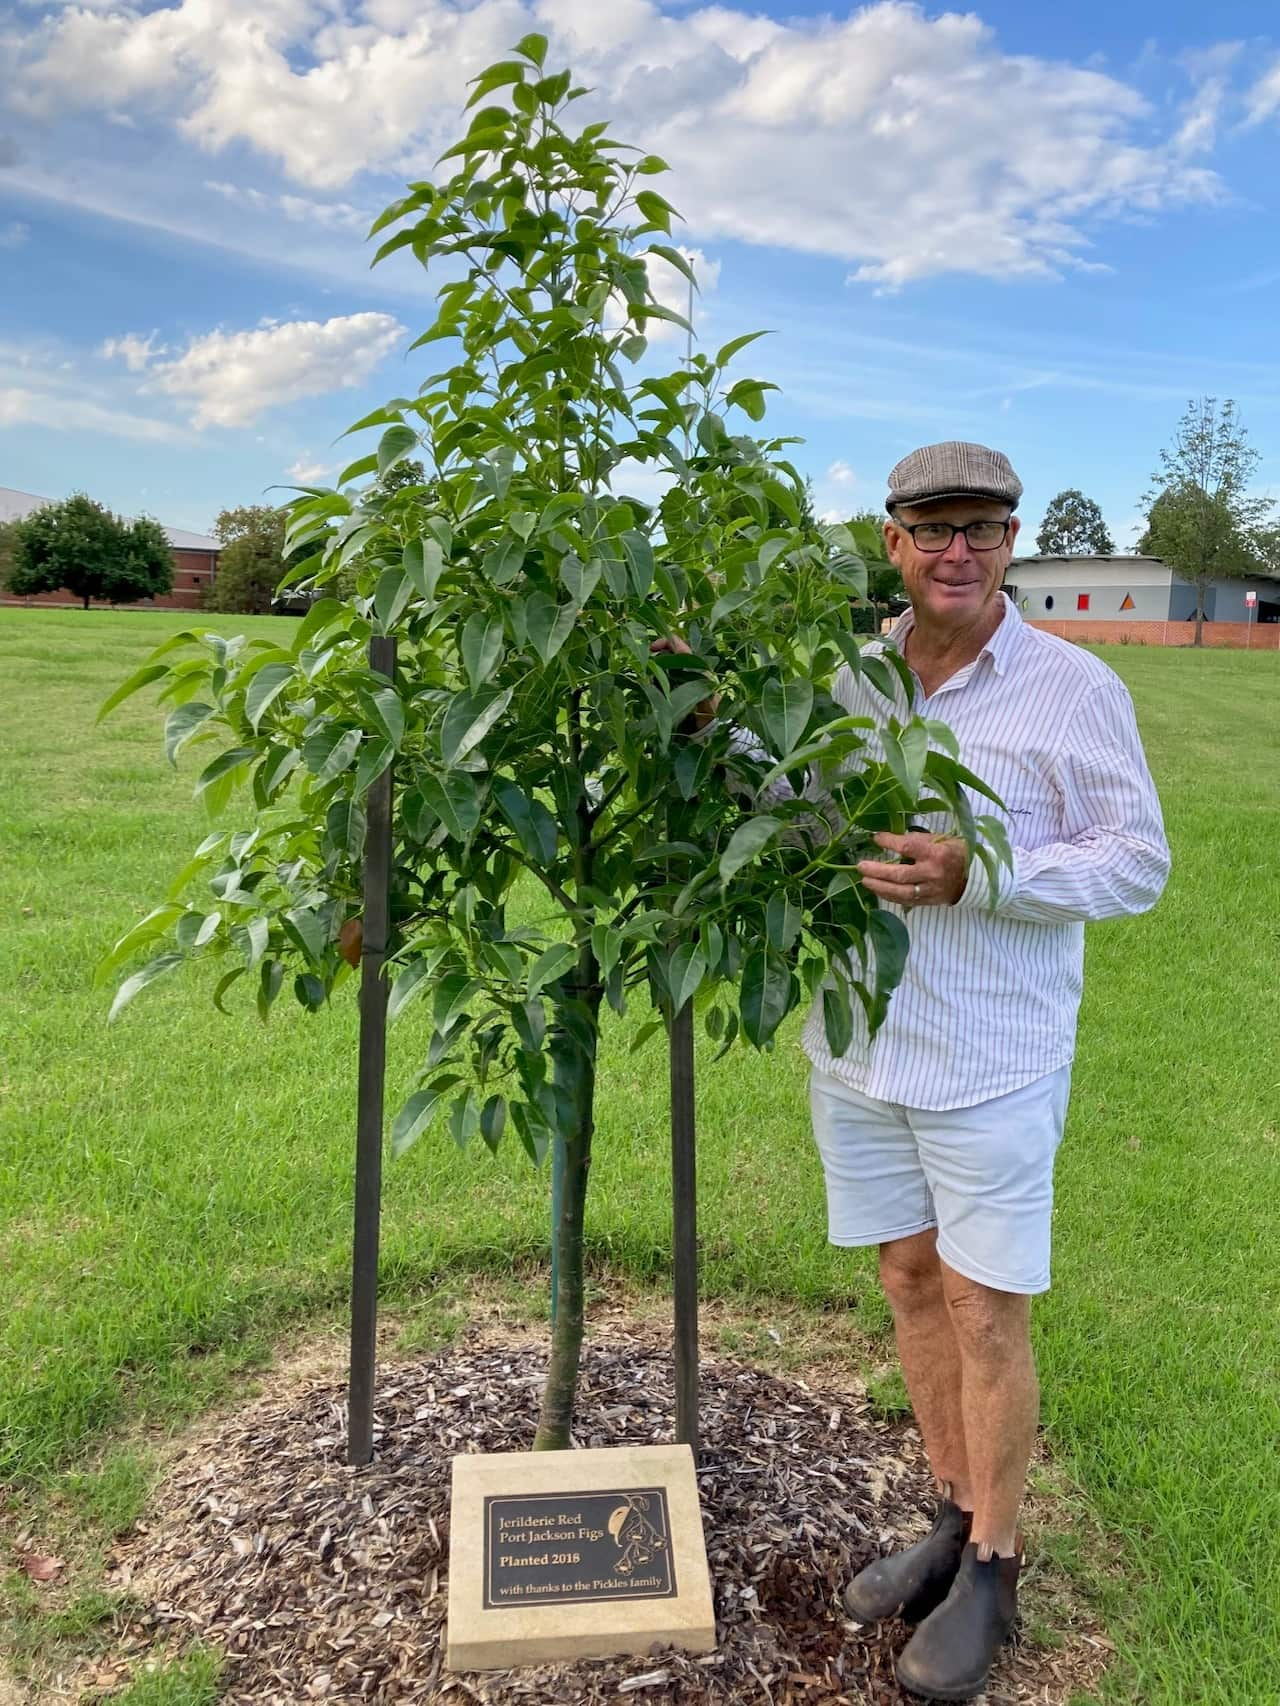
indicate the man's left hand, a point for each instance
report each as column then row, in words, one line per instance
column 934, row 871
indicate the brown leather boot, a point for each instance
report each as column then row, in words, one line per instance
column 952, row 1651
column 911, row 1582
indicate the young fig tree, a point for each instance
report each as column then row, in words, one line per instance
column 688, row 819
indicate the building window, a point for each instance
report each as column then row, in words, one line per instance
column 1082, row 601
column 1048, row 601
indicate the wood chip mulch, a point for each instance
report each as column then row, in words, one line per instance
column 320, row 1582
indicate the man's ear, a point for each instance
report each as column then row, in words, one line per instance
column 1015, row 524
column 892, row 540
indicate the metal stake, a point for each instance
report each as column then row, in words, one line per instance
column 373, row 1058
column 684, row 1227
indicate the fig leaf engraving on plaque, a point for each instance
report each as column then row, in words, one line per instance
column 557, row 1548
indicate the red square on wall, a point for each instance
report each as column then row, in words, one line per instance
column 1082, row 601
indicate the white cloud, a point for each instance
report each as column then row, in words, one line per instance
column 133, row 349
column 1263, row 99
column 906, row 144
column 26, row 406
column 309, row 473
column 232, row 377
column 300, row 210
column 840, row 473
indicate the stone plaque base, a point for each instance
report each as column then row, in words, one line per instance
column 576, row 1555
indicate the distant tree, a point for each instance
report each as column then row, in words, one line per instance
column 8, row 550
column 251, row 562
column 79, row 545
column 884, row 583
column 1072, row 525
column 1202, row 519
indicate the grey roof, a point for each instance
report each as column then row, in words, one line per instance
column 16, row 506
column 1090, row 557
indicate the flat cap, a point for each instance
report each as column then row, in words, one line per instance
column 953, row 470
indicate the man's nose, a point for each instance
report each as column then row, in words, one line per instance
column 957, row 551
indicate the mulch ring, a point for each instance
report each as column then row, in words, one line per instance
column 321, row 1582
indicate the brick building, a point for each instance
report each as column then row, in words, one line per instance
column 1140, row 600
column 195, row 561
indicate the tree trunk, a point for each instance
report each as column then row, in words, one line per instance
column 573, row 1054
column 86, row 600
column 1199, row 639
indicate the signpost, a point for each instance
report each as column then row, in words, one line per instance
column 1250, row 604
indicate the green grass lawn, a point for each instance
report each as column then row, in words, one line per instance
column 177, row 1188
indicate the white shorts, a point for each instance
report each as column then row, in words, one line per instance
column 982, row 1175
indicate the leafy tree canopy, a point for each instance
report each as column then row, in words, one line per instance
column 540, row 744
column 1072, row 526
column 79, row 545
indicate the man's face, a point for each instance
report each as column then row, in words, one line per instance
column 951, row 587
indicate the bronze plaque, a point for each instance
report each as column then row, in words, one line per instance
column 552, row 1549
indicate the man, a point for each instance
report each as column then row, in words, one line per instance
column 938, row 1139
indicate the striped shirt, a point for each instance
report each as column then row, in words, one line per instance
column 989, row 999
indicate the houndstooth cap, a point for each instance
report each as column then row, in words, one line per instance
column 953, row 470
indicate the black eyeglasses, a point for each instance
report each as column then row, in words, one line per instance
column 933, row 536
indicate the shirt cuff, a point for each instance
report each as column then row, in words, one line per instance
column 977, row 891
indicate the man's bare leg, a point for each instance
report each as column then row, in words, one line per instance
column 1000, row 1402
column 912, row 1276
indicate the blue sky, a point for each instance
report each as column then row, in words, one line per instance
column 1041, row 227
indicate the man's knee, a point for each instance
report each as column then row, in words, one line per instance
column 911, row 1273
column 990, row 1326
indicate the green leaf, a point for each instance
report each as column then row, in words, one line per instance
column 308, row 929
column 468, row 720
column 194, row 930
column 424, row 564
column 651, row 165
column 415, row 1116
column 493, row 1118
column 345, row 825
column 454, row 800
column 224, row 984
column 554, row 963
column 270, row 978
column 181, row 724
column 392, row 593
column 888, row 936
column 786, row 707
column 452, row 994
column 639, row 555
column 535, row 828
column 685, row 973
column 411, row 983
column 153, row 925
column 464, row 1117
column 481, row 646
column 727, row 351
column 607, row 946
column 495, row 77
column 375, row 755
column 550, row 624
column 533, row 47
column 329, row 751
column 746, row 843
column 322, row 614
column 837, row 1017
column 140, row 678
column 267, row 685
column 765, row 995
column 394, row 445
column 783, row 920
column 225, row 764
column 257, row 937
column 386, row 710
column 139, row 981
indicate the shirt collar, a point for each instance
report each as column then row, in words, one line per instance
column 1000, row 648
